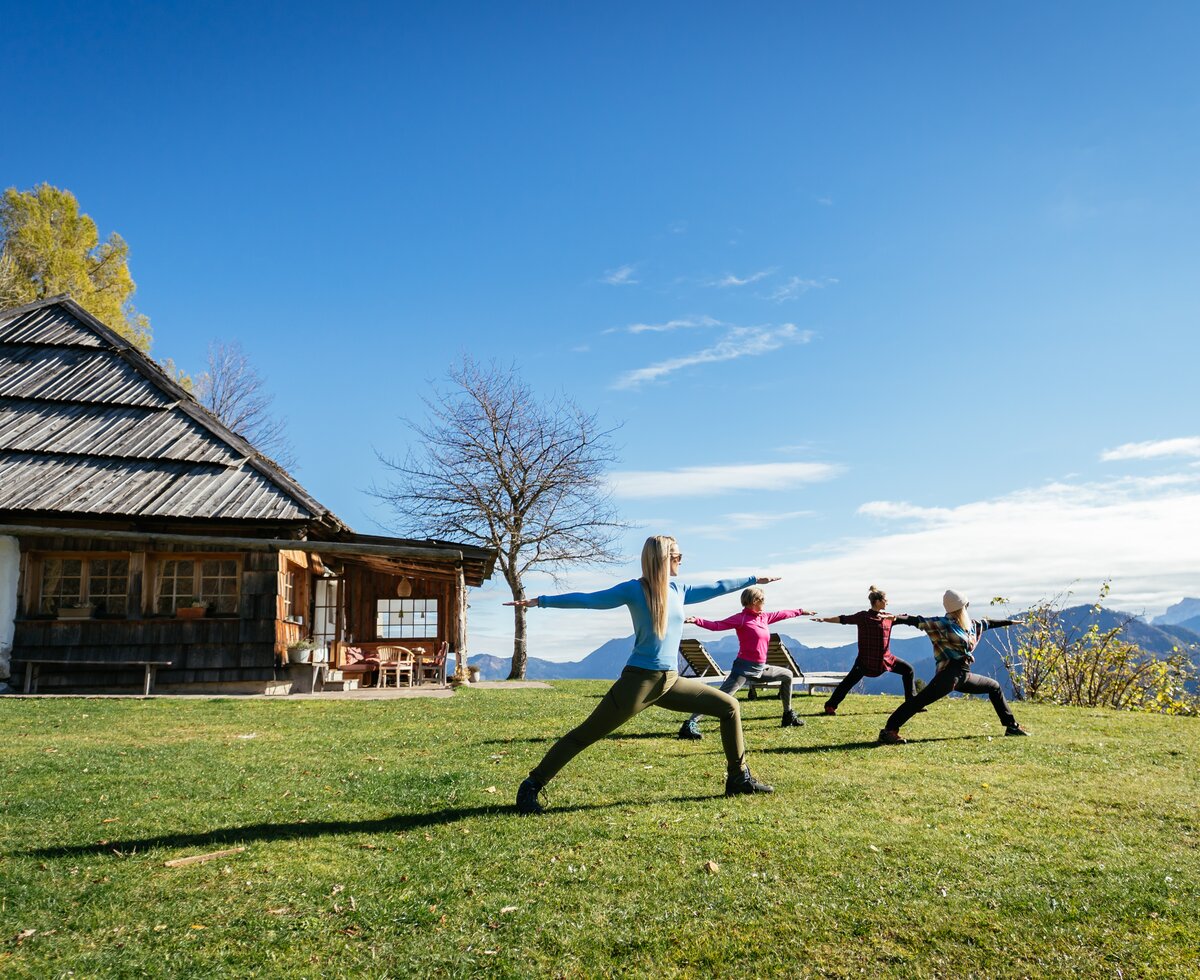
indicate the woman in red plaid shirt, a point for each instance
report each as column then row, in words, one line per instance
column 874, row 653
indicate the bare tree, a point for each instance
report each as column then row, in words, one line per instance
column 235, row 393
column 499, row 467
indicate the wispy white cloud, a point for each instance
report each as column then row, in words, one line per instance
column 1154, row 449
column 738, row 342
column 726, row 282
column 683, row 323
column 796, row 286
column 704, row 481
column 825, row 201
column 729, row 526
column 620, row 276
column 890, row 510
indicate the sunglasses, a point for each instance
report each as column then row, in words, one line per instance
column 677, row 555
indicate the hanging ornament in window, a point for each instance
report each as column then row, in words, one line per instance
column 404, row 588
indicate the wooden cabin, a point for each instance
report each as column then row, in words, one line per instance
column 136, row 529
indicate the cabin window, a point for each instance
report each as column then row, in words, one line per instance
column 100, row 582
column 408, row 618
column 185, row 581
column 289, row 595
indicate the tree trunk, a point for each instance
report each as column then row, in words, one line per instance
column 520, row 652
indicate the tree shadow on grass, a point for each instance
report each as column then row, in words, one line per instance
column 871, row 744
column 223, row 837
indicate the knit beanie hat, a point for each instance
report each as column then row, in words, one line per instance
column 954, row 600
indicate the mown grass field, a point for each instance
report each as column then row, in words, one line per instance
column 375, row 847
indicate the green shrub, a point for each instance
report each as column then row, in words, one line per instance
column 1051, row 659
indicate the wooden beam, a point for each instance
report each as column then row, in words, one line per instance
column 347, row 549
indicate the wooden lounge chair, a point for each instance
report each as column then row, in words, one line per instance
column 698, row 660
column 780, row 656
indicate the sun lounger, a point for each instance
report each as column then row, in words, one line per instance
column 698, row 660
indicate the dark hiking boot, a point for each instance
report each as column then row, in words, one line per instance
column 890, row 738
column 830, row 711
column 690, row 731
column 527, row 798
column 791, row 720
column 1015, row 729
column 738, row 783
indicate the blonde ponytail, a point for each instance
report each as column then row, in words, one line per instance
column 656, row 577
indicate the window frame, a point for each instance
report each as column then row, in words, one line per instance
column 85, row 559
column 157, row 562
column 427, row 603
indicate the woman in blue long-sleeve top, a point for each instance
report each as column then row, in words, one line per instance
column 656, row 605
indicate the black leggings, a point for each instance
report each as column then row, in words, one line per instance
column 953, row 678
column 901, row 667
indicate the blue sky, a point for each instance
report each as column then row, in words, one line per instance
column 921, row 276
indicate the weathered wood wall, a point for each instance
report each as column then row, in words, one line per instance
column 243, row 647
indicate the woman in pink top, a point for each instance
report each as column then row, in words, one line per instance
column 754, row 636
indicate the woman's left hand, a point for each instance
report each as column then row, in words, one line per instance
column 764, row 579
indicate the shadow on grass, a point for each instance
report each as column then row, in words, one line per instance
column 872, row 744
column 233, row 836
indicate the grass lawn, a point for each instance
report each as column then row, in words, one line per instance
column 380, row 841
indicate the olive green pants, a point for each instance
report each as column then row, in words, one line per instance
column 635, row 690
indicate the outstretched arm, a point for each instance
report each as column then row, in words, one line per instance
column 618, row 595
column 702, row 593
column 716, row 625
column 774, row 617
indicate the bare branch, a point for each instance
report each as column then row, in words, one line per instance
column 499, row 467
column 235, row 393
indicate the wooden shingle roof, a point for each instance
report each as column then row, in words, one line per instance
column 89, row 426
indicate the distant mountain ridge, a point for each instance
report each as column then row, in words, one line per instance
column 607, row 660
column 1183, row 612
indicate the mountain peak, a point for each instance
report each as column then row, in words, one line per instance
column 1184, row 609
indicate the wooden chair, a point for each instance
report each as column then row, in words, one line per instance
column 698, row 660
column 394, row 662
column 432, row 666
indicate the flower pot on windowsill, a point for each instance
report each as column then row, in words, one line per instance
column 76, row 612
column 191, row 612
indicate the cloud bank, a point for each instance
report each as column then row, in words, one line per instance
column 702, row 481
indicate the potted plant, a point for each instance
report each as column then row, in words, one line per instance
column 301, row 652
column 75, row 610
column 191, row 609
column 473, row 673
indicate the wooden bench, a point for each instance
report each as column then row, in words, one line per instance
column 33, row 667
